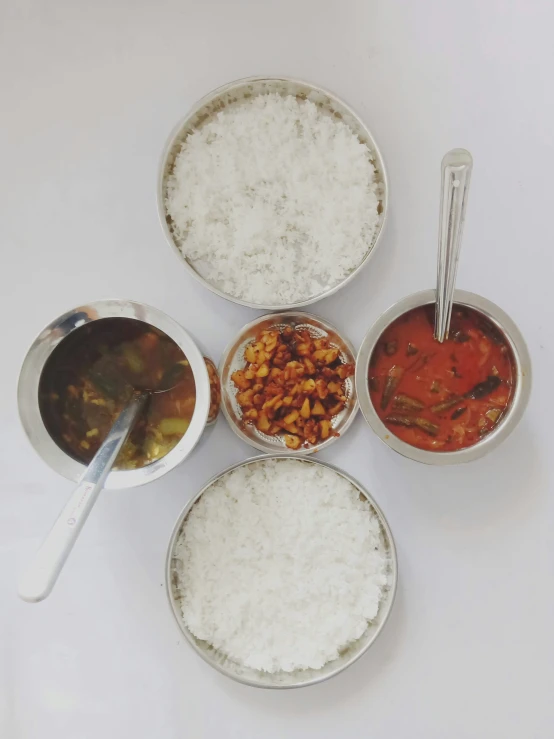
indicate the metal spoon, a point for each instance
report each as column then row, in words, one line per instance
column 42, row 574
column 456, row 175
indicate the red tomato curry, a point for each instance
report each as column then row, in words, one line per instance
column 441, row 397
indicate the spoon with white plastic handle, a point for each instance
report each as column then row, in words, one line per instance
column 456, row 175
column 41, row 575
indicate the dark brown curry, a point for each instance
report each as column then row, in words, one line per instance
column 92, row 373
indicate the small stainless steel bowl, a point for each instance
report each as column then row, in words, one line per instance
column 52, row 335
column 521, row 391
column 214, row 102
column 299, row 678
column 233, row 359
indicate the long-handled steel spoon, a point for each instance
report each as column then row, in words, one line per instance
column 40, row 577
column 456, row 175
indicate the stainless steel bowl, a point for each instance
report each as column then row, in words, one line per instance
column 300, row 678
column 522, row 372
column 233, row 359
column 52, row 335
column 232, row 92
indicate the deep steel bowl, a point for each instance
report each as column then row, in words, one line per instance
column 510, row 419
column 299, row 678
column 233, row 359
column 215, row 101
column 52, row 335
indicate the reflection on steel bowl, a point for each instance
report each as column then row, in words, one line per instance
column 443, row 403
column 64, row 456
column 215, row 391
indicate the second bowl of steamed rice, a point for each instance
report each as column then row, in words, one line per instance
column 281, row 572
column 272, row 192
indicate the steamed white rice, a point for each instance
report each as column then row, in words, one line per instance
column 281, row 565
column 273, row 200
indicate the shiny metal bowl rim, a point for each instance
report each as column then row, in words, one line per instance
column 298, row 317
column 184, row 122
column 33, row 364
column 386, row 605
column 507, row 424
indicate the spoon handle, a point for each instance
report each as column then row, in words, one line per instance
column 41, row 575
column 456, row 174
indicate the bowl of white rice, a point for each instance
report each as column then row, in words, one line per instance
column 272, row 192
column 281, row 572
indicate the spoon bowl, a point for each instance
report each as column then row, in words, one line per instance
column 63, row 327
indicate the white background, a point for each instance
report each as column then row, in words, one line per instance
column 89, row 92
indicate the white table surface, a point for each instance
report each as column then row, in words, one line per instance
column 89, row 92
